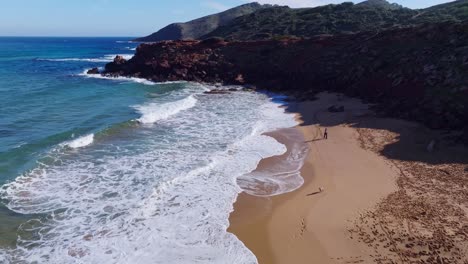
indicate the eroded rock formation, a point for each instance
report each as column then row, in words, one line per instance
column 417, row 73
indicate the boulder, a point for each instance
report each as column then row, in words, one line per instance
column 119, row 60
column 94, row 70
column 217, row 91
column 117, row 65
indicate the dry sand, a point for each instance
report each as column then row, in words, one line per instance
column 370, row 210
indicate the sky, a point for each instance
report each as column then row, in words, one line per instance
column 125, row 17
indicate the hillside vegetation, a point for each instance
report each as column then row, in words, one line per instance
column 201, row 26
column 372, row 15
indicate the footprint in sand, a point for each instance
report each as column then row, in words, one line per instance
column 303, row 226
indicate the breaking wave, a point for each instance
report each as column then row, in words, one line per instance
column 154, row 112
column 106, row 58
column 120, row 78
column 80, row 142
column 149, row 194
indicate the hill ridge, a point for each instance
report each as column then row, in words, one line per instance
column 196, row 28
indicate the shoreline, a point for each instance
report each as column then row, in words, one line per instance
column 251, row 212
column 338, row 225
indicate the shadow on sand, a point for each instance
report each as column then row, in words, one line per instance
column 314, row 193
column 410, row 144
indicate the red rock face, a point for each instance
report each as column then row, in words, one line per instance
column 418, row 73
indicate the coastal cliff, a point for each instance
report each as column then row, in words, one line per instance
column 416, row 73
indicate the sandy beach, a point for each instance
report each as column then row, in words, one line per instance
column 385, row 197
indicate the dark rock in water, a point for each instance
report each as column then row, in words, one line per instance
column 249, row 88
column 93, row 71
column 336, row 109
column 217, row 91
column 116, row 65
column 232, row 90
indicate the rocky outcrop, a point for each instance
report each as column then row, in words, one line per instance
column 417, row 73
column 93, row 71
column 119, row 60
column 117, row 64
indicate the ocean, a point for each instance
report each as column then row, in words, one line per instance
column 102, row 170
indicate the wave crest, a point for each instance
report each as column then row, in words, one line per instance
column 154, row 112
column 106, row 58
column 120, row 78
column 80, row 142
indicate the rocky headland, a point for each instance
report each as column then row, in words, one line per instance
column 417, row 73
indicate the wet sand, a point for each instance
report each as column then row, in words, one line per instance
column 354, row 220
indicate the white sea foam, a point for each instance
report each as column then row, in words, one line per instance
column 153, row 112
column 80, row 142
column 178, row 82
column 78, row 59
column 106, row 58
column 161, row 195
column 112, row 56
column 126, row 79
column 283, row 175
column 120, row 78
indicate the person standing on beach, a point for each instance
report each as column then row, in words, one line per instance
column 325, row 134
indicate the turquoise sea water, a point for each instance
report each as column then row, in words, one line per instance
column 44, row 102
column 97, row 170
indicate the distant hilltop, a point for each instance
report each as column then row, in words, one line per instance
column 255, row 21
column 380, row 4
column 199, row 27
